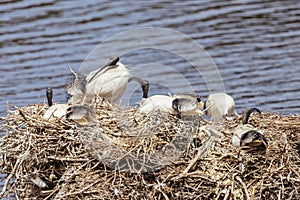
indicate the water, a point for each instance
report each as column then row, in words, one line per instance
column 255, row 45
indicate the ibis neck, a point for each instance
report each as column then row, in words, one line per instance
column 144, row 84
column 204, row 106
column 49, row 95
column 145, row 88
column 249, row 113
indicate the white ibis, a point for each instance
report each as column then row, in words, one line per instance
column 109, row 82
column 246, row 135
column 219, row 105
column 180, row 104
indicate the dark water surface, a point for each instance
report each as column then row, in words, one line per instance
column 255, row 44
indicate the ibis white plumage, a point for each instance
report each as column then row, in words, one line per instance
column 179, row 104
column 219, row 105
column 109, row 82
column 155, row 102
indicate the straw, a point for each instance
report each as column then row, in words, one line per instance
column 129, row 155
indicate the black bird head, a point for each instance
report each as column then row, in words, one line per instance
column 176, row 107
column 49, row 95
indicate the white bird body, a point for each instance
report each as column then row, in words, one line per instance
column 181, row 103
column 56, row 111
column 110, row 83
column 156, row 102
column 219, row 105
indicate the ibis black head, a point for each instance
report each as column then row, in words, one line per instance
column 176, row 107
column 198, row 98
column 49, row 95
column 248, row 113
column 145, row 88
column 254, row 139
column 113, row 61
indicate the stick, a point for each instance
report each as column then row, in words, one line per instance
column 202, row 151
column 9, row 177
column 232, row 186
column 244, row 187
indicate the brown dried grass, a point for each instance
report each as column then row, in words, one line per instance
column 70, row 162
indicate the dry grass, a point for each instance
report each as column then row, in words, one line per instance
column 133, row 156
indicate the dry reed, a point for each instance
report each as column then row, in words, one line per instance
column 133, row 156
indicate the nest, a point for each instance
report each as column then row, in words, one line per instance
column 129, row 155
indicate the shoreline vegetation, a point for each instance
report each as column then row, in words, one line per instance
column 57, row 159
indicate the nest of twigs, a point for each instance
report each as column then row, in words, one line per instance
column 128, row 155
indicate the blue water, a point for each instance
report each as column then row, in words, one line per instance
column 255, row 45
